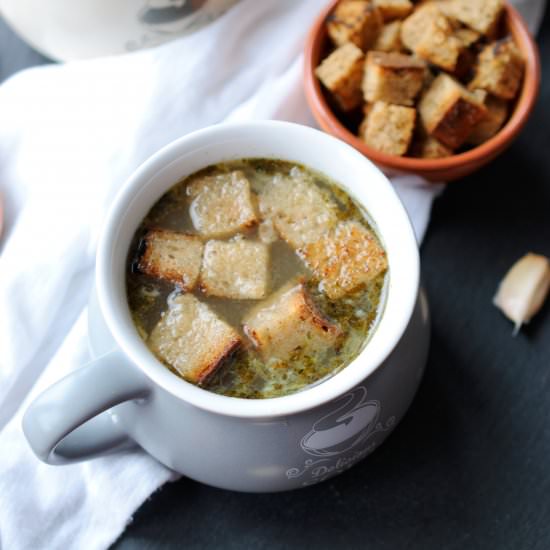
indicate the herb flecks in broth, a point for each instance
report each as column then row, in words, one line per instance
column 279, row 232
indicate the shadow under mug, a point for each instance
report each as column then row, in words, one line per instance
column 128, row 396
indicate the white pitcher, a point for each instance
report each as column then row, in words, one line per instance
column 68, row 29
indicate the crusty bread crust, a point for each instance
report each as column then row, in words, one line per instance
column 172, row 256
column 449, row 112
column 288, row 322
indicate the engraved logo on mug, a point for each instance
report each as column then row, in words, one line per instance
column 346, row 429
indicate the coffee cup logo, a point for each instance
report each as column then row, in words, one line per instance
column 340, row 438
column 345, row 427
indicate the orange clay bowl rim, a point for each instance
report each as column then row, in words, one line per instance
column 523, row 107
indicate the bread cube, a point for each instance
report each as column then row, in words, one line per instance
column 449, row 112
column 389, row 38
column 499, row 69
column 299, row 210
column 288, row 323
column 394, row 9
column 393, row 77
column 221, row 205
column 431, row 148
column 467, row 37
column 345, row 259
column 192, row 339
column 497, row 111
column 389, row 128
column 430, row 35
column 341, row 73
column 355, row 21
column 480, row 95
column 480, row 15
column 267, row 232
column 236, row 269
column 367, row 108
column 439, row 46
column 414, row 27
column 172, row 256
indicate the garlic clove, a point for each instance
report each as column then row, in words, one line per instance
column 523, row 290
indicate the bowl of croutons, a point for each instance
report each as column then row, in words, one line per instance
column 436, row 88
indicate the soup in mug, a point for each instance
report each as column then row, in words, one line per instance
column 256, row 278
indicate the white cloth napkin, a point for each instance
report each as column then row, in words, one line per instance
column 69, row 136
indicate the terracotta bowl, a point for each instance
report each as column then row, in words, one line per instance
column 445, row 169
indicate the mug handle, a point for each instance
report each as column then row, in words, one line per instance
column 68, row 422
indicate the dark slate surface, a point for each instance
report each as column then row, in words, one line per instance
column 469, row 466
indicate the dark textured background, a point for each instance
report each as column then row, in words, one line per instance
column 469, row 466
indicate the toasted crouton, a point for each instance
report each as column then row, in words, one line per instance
column 389, row 38
column 367, row 108
column 497, row 111
column 174, row 257
column 480, row 15
column 355, row 21
column 449, row 112
column 439, row 46
column 235, row 269
column 499, row 69
column 191, row 338
column 468, row 37
column 361, row 131
column 389, row 128
column 288, row 323
column 341, row 73
column 345, row 259
column 480, row 95
column 414, row 27
column 299, row 210
column 394, row 9
column 430, row 35
column 267, row 232
column 431, row 148
column 393, row 77
column 221, row 205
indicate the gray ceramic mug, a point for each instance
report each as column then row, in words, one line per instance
column 128, row 396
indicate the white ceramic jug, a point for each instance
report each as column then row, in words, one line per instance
column 65, row 30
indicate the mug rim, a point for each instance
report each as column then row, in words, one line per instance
column 126, row 335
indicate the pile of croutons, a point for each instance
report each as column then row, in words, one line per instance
column 432, row 77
